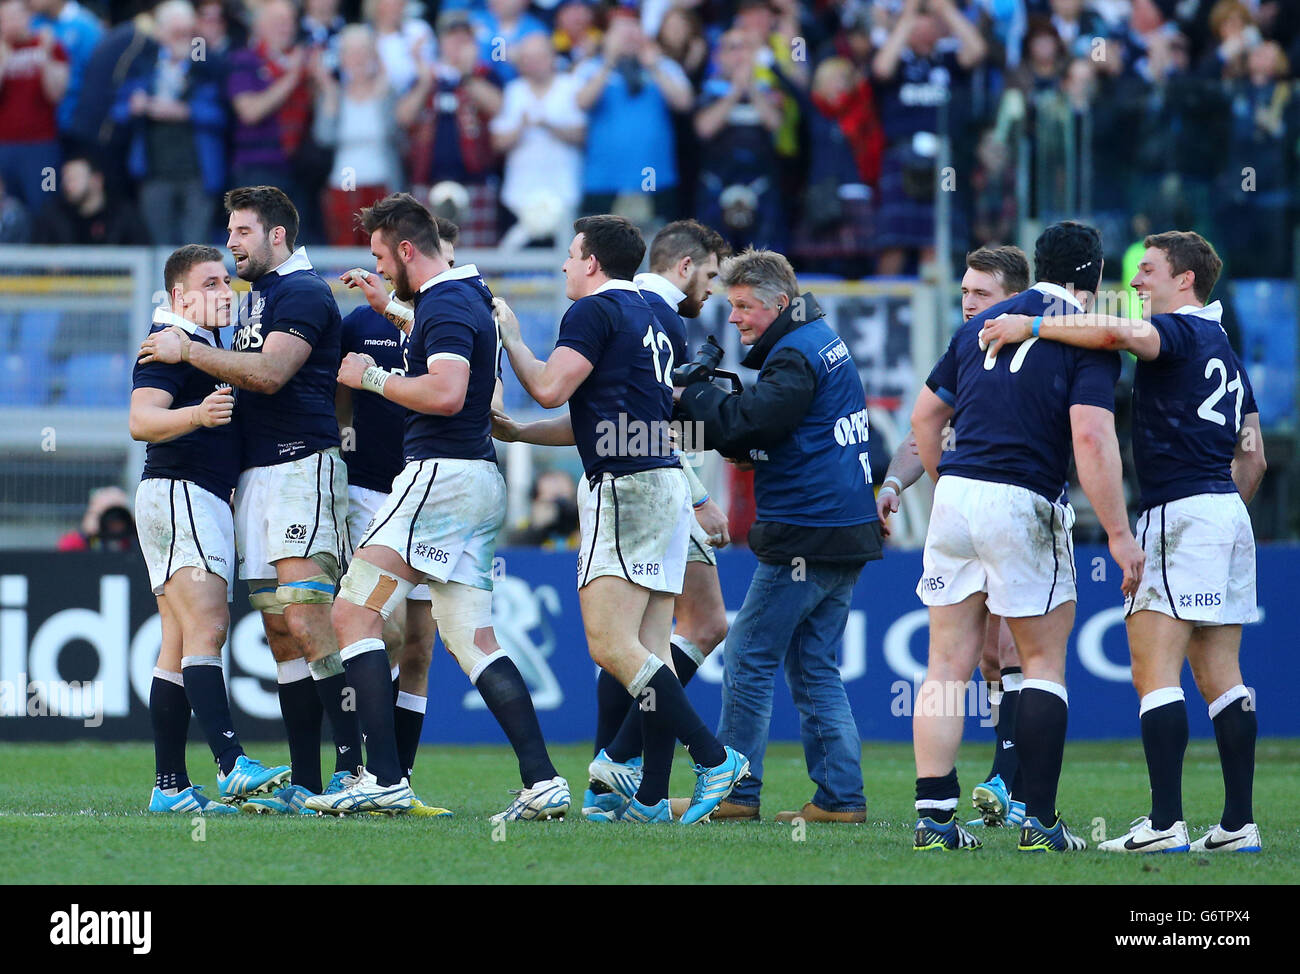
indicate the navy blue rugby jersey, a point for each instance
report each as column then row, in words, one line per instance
column 378, row 424
column 1188, row 404
column 620, row 412
column 299, row 419
column 663, row 297
column 453, row 319
column 1011, row 419
column 205, row 456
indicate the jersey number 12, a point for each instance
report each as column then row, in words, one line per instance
column 654, row 341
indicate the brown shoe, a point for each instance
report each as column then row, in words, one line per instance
column 813, row 813
column 725, row 812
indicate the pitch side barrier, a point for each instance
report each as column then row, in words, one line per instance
column 79, row 634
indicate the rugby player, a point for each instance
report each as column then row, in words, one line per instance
column 684, row 260
column 373, row 450
column 187, row 536
column 1200, row 458
column 995, row 435
column 291, row 501
column 440, row 521
column 611, row 365
column 993, row 274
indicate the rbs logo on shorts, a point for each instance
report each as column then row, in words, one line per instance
column 932, row 584
column 436, row 555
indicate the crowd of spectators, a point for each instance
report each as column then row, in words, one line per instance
column 816, row 128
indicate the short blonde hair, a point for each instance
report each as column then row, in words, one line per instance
column 765, row 272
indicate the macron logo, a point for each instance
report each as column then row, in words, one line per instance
column 74, row 928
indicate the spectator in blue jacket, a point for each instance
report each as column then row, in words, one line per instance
column 628, row 93
column 177, row 123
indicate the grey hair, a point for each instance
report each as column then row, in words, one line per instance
column 172, row 9
column 765, row 272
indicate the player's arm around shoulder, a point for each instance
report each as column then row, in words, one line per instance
column 265, row 371
column 1248, row 463
column 153, row 420
column 1101, row 332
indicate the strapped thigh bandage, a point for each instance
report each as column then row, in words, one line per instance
column 373, row 588
column 314, row 589
column 262, row 596
column 460, row 612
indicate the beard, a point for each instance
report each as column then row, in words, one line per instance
column 402, row 283
column 257, row 263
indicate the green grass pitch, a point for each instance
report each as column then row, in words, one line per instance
column 73, row 813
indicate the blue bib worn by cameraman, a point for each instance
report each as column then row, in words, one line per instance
column 820, row 475
column 803, row 425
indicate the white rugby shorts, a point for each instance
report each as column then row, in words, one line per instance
column 1005, row 540
column 443, row 518
column 291, row 510
column 1200, row 561
column 181, row 525
column 363, row 505
column 636, row 526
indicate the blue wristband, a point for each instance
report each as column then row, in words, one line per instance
column 702, row 501
column 1038, row 323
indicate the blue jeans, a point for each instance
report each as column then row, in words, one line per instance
column 798, row 623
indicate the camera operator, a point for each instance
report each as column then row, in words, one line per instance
column 107, row 524
column 803, row 426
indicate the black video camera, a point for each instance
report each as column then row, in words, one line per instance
column 705, row 368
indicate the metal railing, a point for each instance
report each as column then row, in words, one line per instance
column 72, row 318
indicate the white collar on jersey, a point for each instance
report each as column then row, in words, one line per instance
column 457, row 273
column 1211, row 312
column 161, row 316
column 1058, row 292
column 297, row 261
column 661, row 286
column 614, row 284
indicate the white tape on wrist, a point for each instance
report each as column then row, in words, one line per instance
column 398, row 313
column 374, row 379
column 892, row 483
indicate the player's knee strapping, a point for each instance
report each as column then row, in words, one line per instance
column 460, row 612
column 314, row 589
column 373, row 588
column 262, row 596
